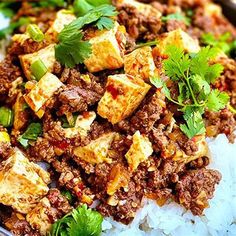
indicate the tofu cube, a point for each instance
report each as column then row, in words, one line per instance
column 139, row 151
column 107, row 50
column 211, row 10
column 96, row 151
column 42, row 91
column 38, row 217
column 140, row 63
column 82, row 125
column 123, row 95
column 180, row 38
column 22, row 183
column 47, row 55
column 63, row 18
column 203, row 150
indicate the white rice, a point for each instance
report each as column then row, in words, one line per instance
column 172, row 219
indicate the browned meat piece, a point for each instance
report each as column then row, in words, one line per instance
column 28, row 46
column 227, row 81
column 214, row 24
column 5, row 150
column 23, row 228
column 74, row 99
column 8, row 73
column 220, row 122
column 59, row 205
column 195, row 188
column 122, row 205
column 138, row 25
column 175, row 24
column 146, row 116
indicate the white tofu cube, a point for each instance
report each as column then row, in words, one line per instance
column 42, row 91
column 140, row 63
column 38, row 217
column 82, row 125
column 107, row 50
column 63, row 18
column 181, row 39
column 22, row 183
column 96, row 151
column 123, row 95
column 139, row 151
column 211, row 10
column 47, row 55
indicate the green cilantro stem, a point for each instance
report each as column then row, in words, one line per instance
column 151, row 43
column 6, row 116
column 232, row 109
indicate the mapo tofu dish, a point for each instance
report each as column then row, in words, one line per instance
column 104, row 104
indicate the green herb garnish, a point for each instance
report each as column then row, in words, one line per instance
column 35, row 33
column 38, row 69
column 81, row 7
column 33, row 131
column 194, row 74
column 177, row 16
column 72, row 49
column 81, row 221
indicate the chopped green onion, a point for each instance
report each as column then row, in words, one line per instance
column 38, row 69
column 6, row 117
column 35, row 33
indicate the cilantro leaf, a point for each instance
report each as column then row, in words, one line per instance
column 159, row 83
column 81, row 7
column 73, row 57
column 193, row 74
column 81, row 221
column 177, row 16
column 71, row 49
column 177, row 63
column 194, row 124
column 217, row 100
column 32, row 132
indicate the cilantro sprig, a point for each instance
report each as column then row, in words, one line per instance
column 193, row 73
column 72, row 49
column 81, row 221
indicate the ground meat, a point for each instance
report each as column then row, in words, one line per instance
column 222, row 122
column 227, row 81
column 128, row 203
column 23, row 228
column 5, row 150
column 8, row 73
column 59, row 205
column 216, row 25
column 175, row 24
column 42, row 150
column 146, row 116
column 138, row 25
column 28, row 46
column 195, row 188
column 76, row 99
